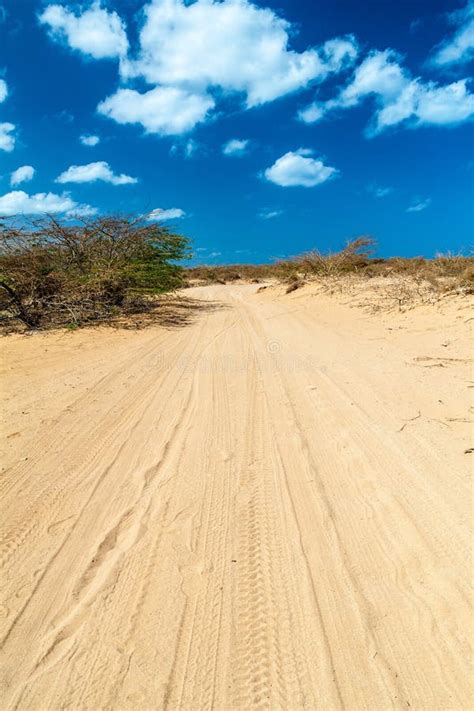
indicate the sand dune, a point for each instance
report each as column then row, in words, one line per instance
column 267, row 509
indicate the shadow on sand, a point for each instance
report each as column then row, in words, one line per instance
column 170, row 311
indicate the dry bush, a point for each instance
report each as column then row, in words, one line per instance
column 354, row 257
column 294, row 285
column 466, row 279
column 222, row 274
column 419, row 275
column 441, row 267
column 409, row 280
column 285, row 270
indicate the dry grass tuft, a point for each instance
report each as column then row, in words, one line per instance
column 400, row 281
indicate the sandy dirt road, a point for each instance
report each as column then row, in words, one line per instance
column 267, row 509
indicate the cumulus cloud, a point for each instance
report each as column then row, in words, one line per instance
column 179, row 44
column 193, row 54
column 235, row 147
column 93, row 172
column 18, row 202
column 88, row 140
column 458, row 49
column 399, row 98
column 299, row 168
column 161, row 215
column 95, row 32
column 7, row 137
column 3, row 90
column 164, row 110
column 22, row 175
column 379, row 74
column 430, row 104
column 419, row 205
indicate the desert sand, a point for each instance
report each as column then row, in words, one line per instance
column 269, row 508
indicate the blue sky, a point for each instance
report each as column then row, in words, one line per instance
column 258, row 129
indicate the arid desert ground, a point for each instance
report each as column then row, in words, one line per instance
column 267, row 508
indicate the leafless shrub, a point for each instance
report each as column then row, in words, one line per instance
column 354, row 257
column 408, row 280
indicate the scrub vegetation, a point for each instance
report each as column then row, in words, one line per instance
column 54, row 274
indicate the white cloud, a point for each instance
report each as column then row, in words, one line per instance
column 427, row 104
column 235, row 147
column 160, row 215
column 398, row 97
column 299, row 168
column 88, row 140
column 3, row 90
column 92, row 172
column 382, row 192
column 192, row 54
column 95, row 32
column 312, row 113
column 380, row 75
column 419, row 205
column 188, row 149
column 458, row 49
column 339, row 53
column 379, row 191
column 18, row 202
column 449, row 104
column 82, row 211
column 7, row 137
column 234, row 45
column 267, row 214
column 22, row 175
column 164, row 110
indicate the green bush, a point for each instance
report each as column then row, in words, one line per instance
column 54, row 272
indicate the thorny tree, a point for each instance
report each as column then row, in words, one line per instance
column 53, row 272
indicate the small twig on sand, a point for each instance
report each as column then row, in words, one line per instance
column 407, row 422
